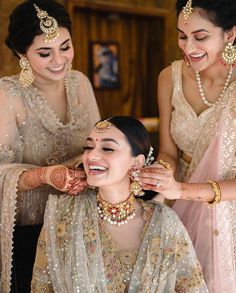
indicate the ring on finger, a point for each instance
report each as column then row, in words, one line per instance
column 158, row 184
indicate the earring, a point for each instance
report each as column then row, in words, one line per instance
column 228, row 56
column 185, row 59
column 135, row 186
column 26, row 75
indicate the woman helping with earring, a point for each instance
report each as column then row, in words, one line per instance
column 108, row 240
column 47, row 111
column 197, row 103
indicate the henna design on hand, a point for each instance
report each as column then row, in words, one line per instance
column 58, row 177
column 34, row 178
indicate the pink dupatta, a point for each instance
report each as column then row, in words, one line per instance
column 213, row 230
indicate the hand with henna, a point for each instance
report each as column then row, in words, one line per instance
column 159, row 179
column 67, row 180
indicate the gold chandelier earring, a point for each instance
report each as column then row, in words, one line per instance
column 228, row 56
column 26, row 75
column 135, row 186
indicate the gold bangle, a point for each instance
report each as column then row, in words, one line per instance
column 217, row 192
column 165, row 164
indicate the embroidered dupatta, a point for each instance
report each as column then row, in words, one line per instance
column 213, row 230
column 166, row 261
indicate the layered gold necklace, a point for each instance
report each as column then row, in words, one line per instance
column 116, row 214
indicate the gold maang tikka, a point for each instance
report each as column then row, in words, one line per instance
column 102, row 126
column 187, row 10
column 48, row 25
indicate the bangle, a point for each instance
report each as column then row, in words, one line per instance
column 165, row 164
column 217, row 192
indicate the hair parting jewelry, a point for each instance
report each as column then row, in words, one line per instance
column 217, row 193
column 116, row 214
column 187, row 10
column 102, row 126
column 48, row 25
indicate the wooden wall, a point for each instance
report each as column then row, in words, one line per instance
column 147, row 44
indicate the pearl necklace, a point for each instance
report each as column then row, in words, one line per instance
column 116, row 214
column 201, row 91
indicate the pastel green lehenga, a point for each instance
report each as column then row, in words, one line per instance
column 76, row 253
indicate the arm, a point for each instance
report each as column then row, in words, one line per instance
column 168, row 151
column 59, row 177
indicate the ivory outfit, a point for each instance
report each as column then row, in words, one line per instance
column 76, row 253
column 36, row 138
column 210, row 140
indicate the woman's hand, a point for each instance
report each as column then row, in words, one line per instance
column 159, row 179
column 65, row 179
column 68, row 180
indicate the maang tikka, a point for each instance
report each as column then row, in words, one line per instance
column 187, row 10
column 48, row 25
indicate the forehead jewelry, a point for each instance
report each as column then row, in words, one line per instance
column 48, row 25
column 187, row 10
column 102, row 126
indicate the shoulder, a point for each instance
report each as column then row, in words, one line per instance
column 78, row 75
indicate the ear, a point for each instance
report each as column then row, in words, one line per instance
column 230, row 35
column 139, row 161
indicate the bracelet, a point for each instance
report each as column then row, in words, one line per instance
column 165, row 164
column 217, row 192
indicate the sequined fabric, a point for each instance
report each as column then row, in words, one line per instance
column 210, row 139
column 32, row 135
column 82, row 257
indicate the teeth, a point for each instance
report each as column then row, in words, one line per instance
column 100, row 168
column 198, row 55
column 56, row 68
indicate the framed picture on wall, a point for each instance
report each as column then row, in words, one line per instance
column 104, row 60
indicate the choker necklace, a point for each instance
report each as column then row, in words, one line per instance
column 201, row 91
column 118, row 213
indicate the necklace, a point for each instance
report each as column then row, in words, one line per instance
column 201, row 91
column 116, row 214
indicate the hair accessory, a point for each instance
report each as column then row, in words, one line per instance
column 187, row 10
column 48, row 25
column 228, row 56
column 201, row 91
column 217, row 192
column 102, row 126
column 26, row 75
column 150, row 157
column 116, row 214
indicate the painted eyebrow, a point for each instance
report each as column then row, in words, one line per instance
column 104, row 140
column 194, row 32
column 48, row 48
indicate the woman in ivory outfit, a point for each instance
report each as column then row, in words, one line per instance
column 47, row 112
column 108, row 240
column 197, row 102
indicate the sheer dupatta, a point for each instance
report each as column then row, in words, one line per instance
column 213, row 230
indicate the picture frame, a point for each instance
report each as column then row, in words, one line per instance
column 104, row 65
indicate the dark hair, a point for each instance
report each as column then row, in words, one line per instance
column 24, row 23
column 135, row 133
column 221, row 13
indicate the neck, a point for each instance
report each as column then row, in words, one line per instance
column 114, row 194
column 214, row 73
column 49, row 86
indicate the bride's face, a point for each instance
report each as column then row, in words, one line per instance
column 107, row 158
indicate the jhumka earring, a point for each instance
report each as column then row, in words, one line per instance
column 187, row 10
column 185, row 59
column 48, row 25
column 135, row 186
column 228, row 56
column 26, row 75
